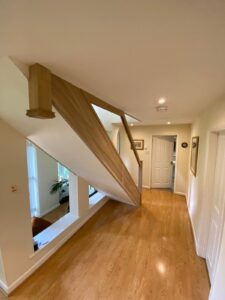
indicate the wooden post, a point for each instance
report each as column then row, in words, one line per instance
column 40, row 98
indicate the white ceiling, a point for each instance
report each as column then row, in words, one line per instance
column 128, row 53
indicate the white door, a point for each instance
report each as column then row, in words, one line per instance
column 162, row 157
column 217, row 214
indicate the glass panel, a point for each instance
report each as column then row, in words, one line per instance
column 109, row 121
column 116, row 131
column 127, row 155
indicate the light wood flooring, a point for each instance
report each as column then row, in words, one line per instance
column 124, row 253
column 57, row 213
column 2, row 296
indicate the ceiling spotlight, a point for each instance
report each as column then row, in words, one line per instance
column 162, row 100
column 169, row 123
column 131, row 124
column 161, row 108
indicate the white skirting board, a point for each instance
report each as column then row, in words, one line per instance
column 49, row 210
column 3, row 288
column 197, row 248
column 195, row 237
column 16, row 283
column 181, row 194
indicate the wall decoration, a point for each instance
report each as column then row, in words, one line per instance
column 194, row 154
column 139, row 144
column 184, row 145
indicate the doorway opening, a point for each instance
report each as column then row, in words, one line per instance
column 163, row 163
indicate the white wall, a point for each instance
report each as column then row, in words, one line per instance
column 183, row 135
column 15, row 220
column 47, row 174
column 199, row 203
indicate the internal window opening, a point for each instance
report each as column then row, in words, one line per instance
column 94, row 196
column 49, row 193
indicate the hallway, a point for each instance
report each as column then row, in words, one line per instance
column 126, row 253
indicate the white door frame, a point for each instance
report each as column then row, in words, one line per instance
column 150, row 157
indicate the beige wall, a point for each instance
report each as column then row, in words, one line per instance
column 82, row 194
column 147, row 132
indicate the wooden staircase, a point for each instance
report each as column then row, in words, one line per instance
column 75, row 106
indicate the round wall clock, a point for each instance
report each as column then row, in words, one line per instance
column 184, row 145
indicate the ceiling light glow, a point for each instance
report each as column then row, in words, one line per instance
column 168, row 122
column 162, row 100
column 161, row 268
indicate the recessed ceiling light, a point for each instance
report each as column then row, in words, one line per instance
column 168, row 122
column 162, row 100
column 131, row 124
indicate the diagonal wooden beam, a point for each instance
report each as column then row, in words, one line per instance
column 80, row 115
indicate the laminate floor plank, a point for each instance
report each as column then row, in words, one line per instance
column 123, row 253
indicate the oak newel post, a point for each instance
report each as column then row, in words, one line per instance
column 40, row 96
